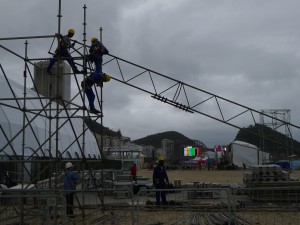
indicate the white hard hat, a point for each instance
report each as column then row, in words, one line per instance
column 69, row 165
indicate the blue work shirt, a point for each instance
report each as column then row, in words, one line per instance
column 160, row 177
column 70, row 180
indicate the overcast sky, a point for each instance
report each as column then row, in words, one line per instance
column 245, row 51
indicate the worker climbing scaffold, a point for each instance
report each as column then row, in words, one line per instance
column 62, row 52
column 97, row 50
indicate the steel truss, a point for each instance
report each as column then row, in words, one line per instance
column 158, row 86
column 190, row 98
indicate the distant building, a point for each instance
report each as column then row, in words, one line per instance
column 149, row 151
column 121, row 148
column 167, row 150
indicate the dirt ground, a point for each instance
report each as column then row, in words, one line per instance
column 157, row 215
column 209, row 176
column 256, row 217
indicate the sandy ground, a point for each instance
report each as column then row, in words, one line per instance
column 209, row 176
column 164, row 216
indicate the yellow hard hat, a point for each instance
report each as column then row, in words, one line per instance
column 71, row 31
column 160, row 158
column 107, row 77
column 93, row 39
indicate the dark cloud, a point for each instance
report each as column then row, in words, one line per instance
column 246, row 51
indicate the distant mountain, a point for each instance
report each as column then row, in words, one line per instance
column 155, row 140
column 279, row 149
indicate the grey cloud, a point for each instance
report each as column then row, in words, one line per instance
column 230, row 48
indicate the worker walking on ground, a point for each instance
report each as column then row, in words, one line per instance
column 97, row 50
column 62, row 51
column 70, row 180
column 160, row 181
column 133, row 170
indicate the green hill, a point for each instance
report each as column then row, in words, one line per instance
column 274, row 142
column 155, row 140
column 277, row 144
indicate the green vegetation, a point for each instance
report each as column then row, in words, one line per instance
column 180, row 141
column 273, row 142
column 268, row 139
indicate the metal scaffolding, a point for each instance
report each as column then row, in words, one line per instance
column 58, row 114
column 160, row 87
column 279, row 121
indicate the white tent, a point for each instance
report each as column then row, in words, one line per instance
column 35, row 141
column 248, row 154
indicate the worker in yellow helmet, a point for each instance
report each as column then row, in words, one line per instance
column 160, row 181
column 97, row 50
column 63, row 51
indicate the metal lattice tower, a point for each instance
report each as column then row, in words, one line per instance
column 279, row 121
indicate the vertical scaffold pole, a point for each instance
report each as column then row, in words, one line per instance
column 101, row 110
column 85, row 73
column 23, row 133
column 56, row 166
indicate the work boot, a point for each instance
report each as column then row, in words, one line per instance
column 76, row 70
column 99, row 84
column 94, row 111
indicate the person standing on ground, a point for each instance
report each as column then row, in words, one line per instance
column 70, row 180
column 63, row 51
column 133, row 170
column 97, row 50
column 160, row 181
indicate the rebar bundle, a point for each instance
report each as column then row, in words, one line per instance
column 212, row 219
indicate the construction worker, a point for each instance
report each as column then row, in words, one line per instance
column 97, row 50
column 160, row 181
column 70, row 180
column 133, row 170
column 63, row 51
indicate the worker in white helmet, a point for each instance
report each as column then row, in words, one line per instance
column 70, row 180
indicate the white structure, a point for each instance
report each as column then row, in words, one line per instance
column 51, row 85
column 248, row 154
column 167, row 150
column 27, row 133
